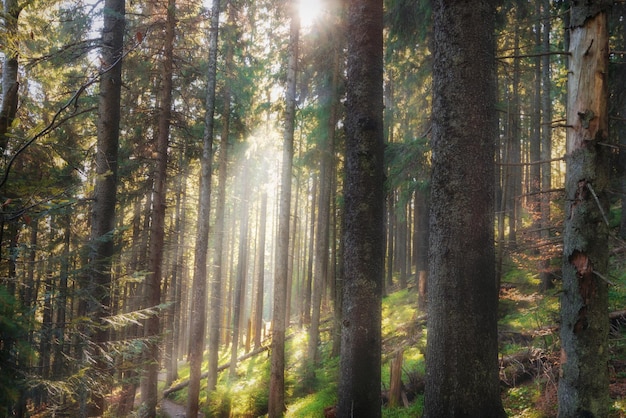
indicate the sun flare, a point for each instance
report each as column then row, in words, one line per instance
column 309, row 11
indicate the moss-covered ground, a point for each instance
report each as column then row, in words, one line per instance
column 528, row 320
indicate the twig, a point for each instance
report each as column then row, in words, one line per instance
column 539, row 54
column 606, row 221
column 603, row 278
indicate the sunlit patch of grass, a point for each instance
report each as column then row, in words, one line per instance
column 520, row 401
column 399, row 309
column 313, row 405
column 619, row 407
column 523, row 278
column 529, row 312
column 414, row 410
column 324, row 388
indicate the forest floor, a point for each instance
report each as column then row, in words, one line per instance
column 170, row 409
column 529, row 355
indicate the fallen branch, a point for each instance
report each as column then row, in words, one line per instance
column 521, row 366
column 185, row 383
column 613, row 316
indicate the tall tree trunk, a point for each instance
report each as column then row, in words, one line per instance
column 242, row 273
column 308, row 287
column 10, row 86
column 583, row 386
column 462, row 287
column 157, row 226
column 199, row 286
column 363, row 236
column 215, row 310
column 391, row 227
column 618, row 101
column 260, row 272
column 421, row 208
column 277, row 362
column 59, row 365
column 546, row 148
column 181, row 320
column 516, row 147
column 97, row 291
column 171, row 361
column 294, row 239
column 326, row 148
column 401, row 237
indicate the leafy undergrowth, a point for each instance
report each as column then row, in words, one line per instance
column 528, row 323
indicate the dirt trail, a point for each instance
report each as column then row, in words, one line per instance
column 171, row 409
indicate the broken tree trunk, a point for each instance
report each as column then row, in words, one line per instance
column 395, row 384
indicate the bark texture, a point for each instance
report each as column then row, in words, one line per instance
column 462, row 348
column 583, row 385
column 363, row 235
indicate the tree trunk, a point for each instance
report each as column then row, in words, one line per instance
column 10, row 86
column 308, row 290
column 422, row 232
column 260, row 272
column 60, row 364
column 171, row 360
column 215, row 310
column 617, row 83
column 199, row 286
column 363, row 236
column 277, row 362
column 97, row 291
column 328, row 99
column 462, row 287
column 401, row 233
column 515, row 156
column 546, row 148
column 242, row 272
column 391, row 227
column 583, row 386
column 149, row 393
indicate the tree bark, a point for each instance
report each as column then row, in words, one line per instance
column 260, row 272
column 363, row 236
column 308, row 288
column 199, row 286
column 101, row 244
column 242, row 273
column 149, row 393
column 583, row 386
column 462, row 287
column 215, row 310
column 546, row 147
column 326, row 149
column 10, row 86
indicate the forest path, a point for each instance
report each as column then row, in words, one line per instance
column 171, row 409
